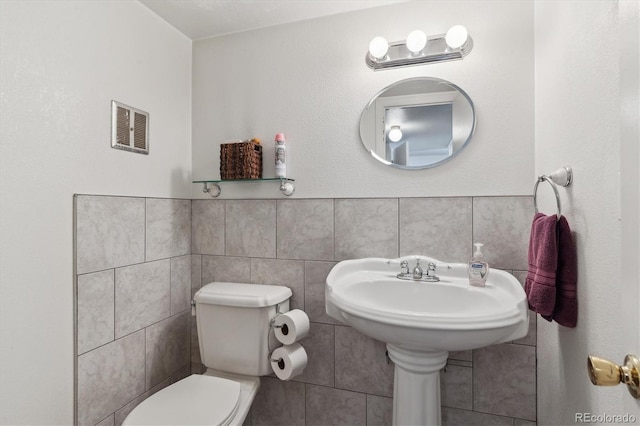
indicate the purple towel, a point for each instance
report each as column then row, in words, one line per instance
column 540, row 285
column 551, row 284
column 566, row 309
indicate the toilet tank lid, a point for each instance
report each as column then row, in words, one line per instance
column 242, row 295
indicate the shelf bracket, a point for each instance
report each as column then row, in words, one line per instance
column 209, row 191
column 287, row 187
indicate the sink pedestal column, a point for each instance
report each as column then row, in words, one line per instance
column 416, row 390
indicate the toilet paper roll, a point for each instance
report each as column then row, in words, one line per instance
column 291, row 326
column 289, row 361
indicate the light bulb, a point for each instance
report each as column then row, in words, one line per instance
column 395, row 134
column 456, row 36
column 416, row 41
column 379, row 47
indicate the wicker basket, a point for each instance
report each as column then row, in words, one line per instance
column 241, row 160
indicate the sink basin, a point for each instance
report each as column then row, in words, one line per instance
column 449, row 315
column 422, row 321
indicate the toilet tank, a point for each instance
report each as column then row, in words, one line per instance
column 233, row 325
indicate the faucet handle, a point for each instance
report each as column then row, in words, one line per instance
column 431, row 269
column 404, row 267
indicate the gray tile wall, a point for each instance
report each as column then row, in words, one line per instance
column 133, row 288
column 348, row 380
column 140, row 260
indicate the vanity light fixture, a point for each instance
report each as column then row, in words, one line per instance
column 395, row 134
column 419, row 49
column 456, row 37
column 378, row 48
column 416, row 41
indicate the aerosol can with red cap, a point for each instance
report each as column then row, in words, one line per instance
column 281, row 156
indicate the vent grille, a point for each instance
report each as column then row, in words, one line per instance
column 140, row 131
column 122, row 135
column 129, row 128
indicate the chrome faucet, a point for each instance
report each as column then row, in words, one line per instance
column 418, row 273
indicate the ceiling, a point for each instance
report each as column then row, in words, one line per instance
column 209, row 18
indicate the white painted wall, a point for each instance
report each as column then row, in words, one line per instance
column 62, row 64
column 309, row 80
column 577, row 123
column 629, row 13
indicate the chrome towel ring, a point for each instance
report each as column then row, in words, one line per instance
column 562, row 177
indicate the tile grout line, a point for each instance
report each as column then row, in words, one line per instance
column 398, row 228
column 115, row 304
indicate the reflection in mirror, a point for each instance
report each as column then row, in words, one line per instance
column 417, row 123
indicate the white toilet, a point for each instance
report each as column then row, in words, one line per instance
column 235, row 342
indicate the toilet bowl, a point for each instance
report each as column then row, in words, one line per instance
column 235, row 337
column 198, row 400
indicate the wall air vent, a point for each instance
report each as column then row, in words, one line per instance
column 129, row 128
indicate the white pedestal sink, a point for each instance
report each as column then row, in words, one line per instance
column 422, row 321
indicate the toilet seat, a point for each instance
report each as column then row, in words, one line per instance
column 195, row 400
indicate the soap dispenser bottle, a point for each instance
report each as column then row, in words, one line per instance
column 478, row 268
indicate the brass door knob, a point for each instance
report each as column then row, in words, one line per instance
column 603, row 372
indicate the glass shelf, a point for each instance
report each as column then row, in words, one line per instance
column 245, row 180
column 286, row 184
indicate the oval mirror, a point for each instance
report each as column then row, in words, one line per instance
column 417, row 123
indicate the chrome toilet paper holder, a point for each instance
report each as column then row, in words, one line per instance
column 280, row 362
column 290, row 331
column 272, row 323
column 285, row 330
